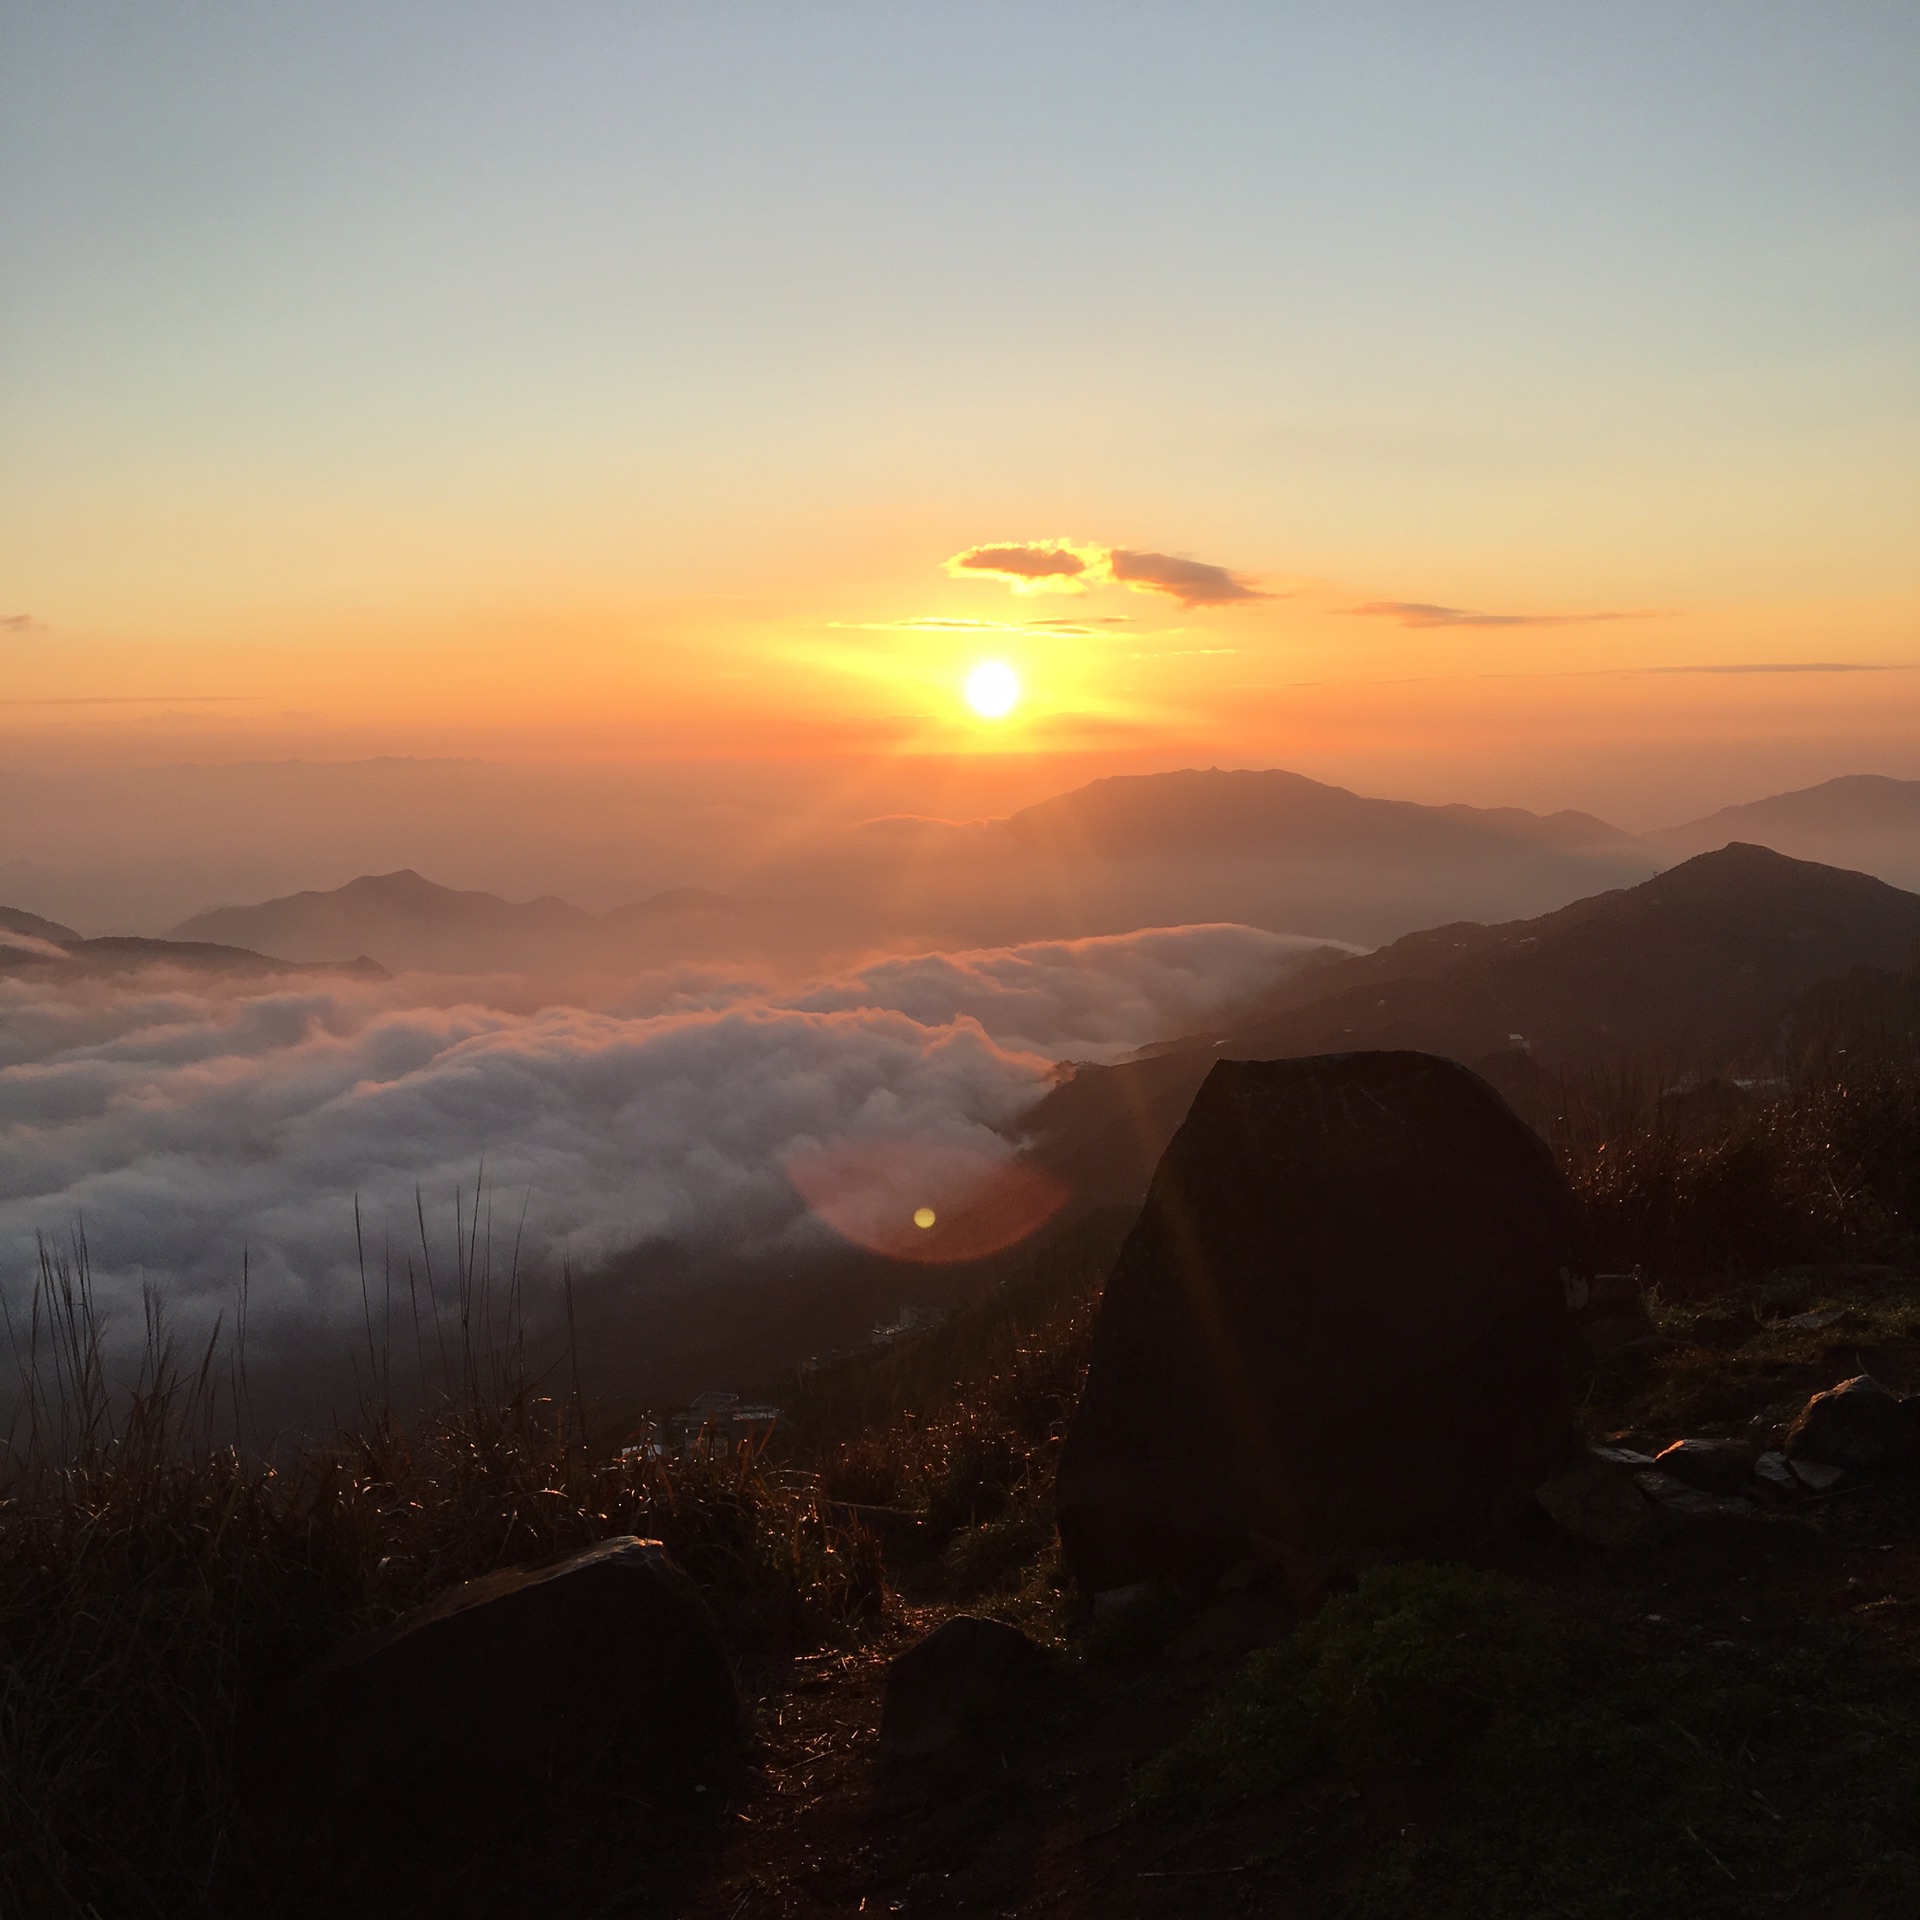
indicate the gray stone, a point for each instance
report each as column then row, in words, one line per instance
column 1713, row 1466
column 1816, row 1475
column 1610, row 1311
column 1231, row 1627
column 967, row 1682
column 603, row 1663
column 1110, row 1602
column 1672, row 1496
column 1594, row 1498
column 1858, row 1425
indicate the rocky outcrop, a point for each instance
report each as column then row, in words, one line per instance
column 1341, row 1321
column 502, row 1692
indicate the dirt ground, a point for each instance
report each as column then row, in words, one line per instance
column 1050, row 1828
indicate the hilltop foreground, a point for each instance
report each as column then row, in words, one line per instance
column 1715, row 1717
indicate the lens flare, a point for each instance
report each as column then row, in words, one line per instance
column 993, row 689
column 936, row 1202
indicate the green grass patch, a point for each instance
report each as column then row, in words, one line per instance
column 1510, row 1764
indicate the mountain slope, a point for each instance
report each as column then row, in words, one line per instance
column 1699, row 966
column 18, row 920
column 1863, row 820
column 1274, row 813
column 403, row 920
column 117, row 954
column 1266, row 848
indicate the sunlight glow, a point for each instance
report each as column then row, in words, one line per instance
column 993, row 689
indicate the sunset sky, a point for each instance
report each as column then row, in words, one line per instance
column 1467, row 401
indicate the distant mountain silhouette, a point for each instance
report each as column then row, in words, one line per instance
column 1267, row 848
column 1700, row 966
column 1273, row 813
column 1862, row 820
column 403, row 920
column 407, row 921
column 116, row 954
column 18, row 920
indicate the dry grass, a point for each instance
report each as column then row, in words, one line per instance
column 1711, row 1176
column 156, row 1580
column 157, row 1576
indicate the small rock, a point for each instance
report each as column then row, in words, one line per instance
column 1659, row 1486
column 1713, row 1466
column 1234, row 1626
column 1676, row 1496
column 501, row 1693
column 1815, row 1319
column 967, row 1680
column 1858, row 1424
column 1816, row 1474
column 1622, row 1456
column 1118, row 1600
column 1773, row 1469
column 1610, row 1310
column 1594, row 1498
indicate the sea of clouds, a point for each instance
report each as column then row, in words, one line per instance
column 185, row 1122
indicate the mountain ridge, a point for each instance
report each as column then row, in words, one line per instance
column 1699, row 967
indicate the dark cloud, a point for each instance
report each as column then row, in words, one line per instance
column 1192, row 582
column 1028, row 563
column 21, row 623
column 1032, row 565
column 1421, row 613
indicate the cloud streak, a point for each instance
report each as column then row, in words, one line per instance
column 1794, row 666
column 1423, row 613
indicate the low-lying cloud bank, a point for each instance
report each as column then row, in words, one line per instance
column 185, row 1122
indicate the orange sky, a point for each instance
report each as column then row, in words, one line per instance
column 625, row 389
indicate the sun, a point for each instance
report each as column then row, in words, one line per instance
column 993, row 689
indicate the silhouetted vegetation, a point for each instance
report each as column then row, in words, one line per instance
column 156, row 1580
column 156, row 1577
column 1715, row 1177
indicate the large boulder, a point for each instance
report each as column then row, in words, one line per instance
column 501, row 1693
column 1341, row 1322
column 1858, row 1425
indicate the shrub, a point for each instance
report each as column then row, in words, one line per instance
column 1605, row 1775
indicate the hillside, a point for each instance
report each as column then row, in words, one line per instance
column 18, row 920
column 407, row 921
column 1862, row 820
column 1700, row 966
column 1278, row 814
column 1265, row 848
column 116, row 954
column 401, row 918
